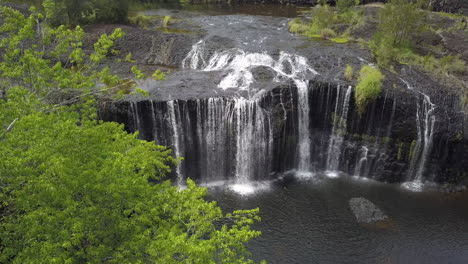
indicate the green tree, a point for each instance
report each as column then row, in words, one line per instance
column 73, row 12
column 77, row 190
column 343, row 6
column 399, row 22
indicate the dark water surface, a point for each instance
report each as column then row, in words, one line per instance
column 311, row 222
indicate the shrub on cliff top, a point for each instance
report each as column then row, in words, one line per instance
column 369, row 87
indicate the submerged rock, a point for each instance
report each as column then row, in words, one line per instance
column 365, row 211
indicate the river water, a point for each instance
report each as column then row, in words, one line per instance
column 310, row 221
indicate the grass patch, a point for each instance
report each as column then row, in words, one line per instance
column 297, row 26
column 166, row 21
column 141, row 20
column 349, row 72
column 451, row 15
column 327, row 33
column 369, row 87
column 325, row 20
column 340, row 40
column 451, row 64
column 175, row 30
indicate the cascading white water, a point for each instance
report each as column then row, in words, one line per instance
column 253, row 144
column 364, row 152
column 195, row 57
column 248, row 118
column 134, row 113
column 425, row 124
column 425, row 121
column 239, row 64
column 303, row 128
column 339, row 120
column 175, row 138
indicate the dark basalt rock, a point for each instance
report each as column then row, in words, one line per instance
column 365, row 211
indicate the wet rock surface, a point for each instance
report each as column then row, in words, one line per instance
column 365, row 211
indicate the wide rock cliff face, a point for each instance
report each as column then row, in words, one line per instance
column 230, row 138
column 252, row 105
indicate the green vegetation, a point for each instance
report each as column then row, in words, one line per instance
column 349, row 72
column 323, row 18
column 297, row 26
column 399, row 22
column 74, row 189
column 325, row 22
column 166, row 21
column 345, row 6
column 327, row 33
column 71, row 12
column 158, row 75
column 141, row 20
column 412, row 149
column 369, row 87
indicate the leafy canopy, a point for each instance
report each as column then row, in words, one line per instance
column 77, row 190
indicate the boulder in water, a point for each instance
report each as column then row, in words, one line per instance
column 365, row 211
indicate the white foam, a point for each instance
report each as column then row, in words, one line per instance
column 304, row 174
column 332, row 174
column 414, row 186
column 249, row 188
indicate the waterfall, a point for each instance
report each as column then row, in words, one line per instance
column 303, row 128
column 249, row 123
column 175, row 137
column 134, row 113
column 339, row 120
column 425, row 121
column 195, row 56
column 357, row 169
column 253, row 140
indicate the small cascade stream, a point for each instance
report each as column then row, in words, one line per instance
column 339, row 119
column 425, row 121
column 175, row 135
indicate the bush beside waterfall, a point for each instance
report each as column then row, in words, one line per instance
column 369, row 87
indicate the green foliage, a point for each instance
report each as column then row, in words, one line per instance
column 412, row 149
column 128, row 58
column 340, row 40
column 297, row 26
column 141, row 20
column 369, row 87
column 159, row 75
column 72, row 12
column 343, row 6
column 166, row 21
column 327, row 33
column 77, row 190
column 138, row 73
column 103, row 46
column 323, row 17
column 399, row 22
column 349, row 72
column 325, row 20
